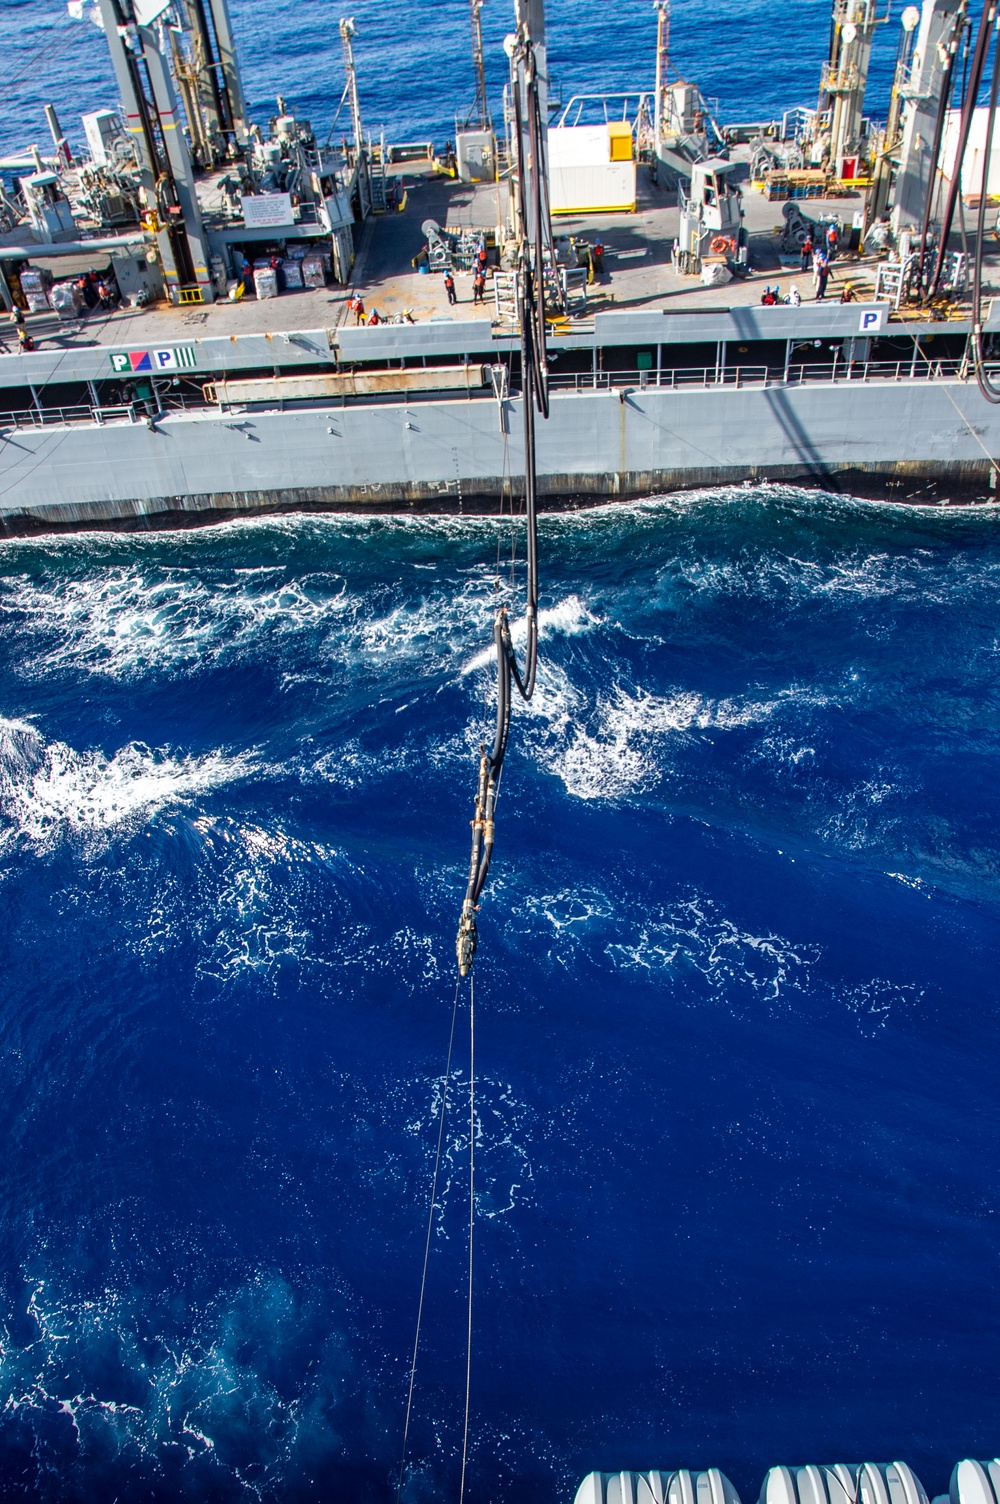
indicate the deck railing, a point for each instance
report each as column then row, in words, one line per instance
column 821, row 373
column 674, row 378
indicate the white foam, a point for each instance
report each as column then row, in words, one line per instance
column 190, row 1392
column 123, row 622
column 616, row 752
column 691, row 936
column 50, row 793
column 568, row 618
column 504, row 1173
column 872, row 1002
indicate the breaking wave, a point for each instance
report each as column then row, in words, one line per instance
column 50, row 793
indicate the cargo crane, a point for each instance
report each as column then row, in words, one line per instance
column 845, row 79
column 475, row 142
column 207, row 73
column 348, row 31
column 684, row 131
column 481, row 117
column 165, row 169
column 925, row 90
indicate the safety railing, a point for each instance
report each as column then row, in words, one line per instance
column 673, row 378
column 57, row 417
column 125, row 412
column 797, row 374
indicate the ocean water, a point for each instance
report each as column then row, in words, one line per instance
column 414, row 61
column 738, row 1162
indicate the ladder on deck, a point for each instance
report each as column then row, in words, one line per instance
column 505, row 296
column 376, row 175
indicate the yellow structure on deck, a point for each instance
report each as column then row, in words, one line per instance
column 592, row 168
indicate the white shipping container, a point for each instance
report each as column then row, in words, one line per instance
column 607, row 185
column 578, row 146
column 265, row 282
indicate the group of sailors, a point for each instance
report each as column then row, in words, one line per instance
column 93, row 292
column 772, row 295
column 371, row 320
column 818, row 254
column 480, row 266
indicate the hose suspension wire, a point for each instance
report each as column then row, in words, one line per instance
column 535, row 246
column 983, row 380
column 442, row 1113
column 472, row 1224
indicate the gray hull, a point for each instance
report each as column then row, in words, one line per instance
column 445, row 454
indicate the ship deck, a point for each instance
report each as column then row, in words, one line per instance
column 637, row 271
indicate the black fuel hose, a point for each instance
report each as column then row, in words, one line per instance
column 534, row 396
column 968, row 110
column 947, row 82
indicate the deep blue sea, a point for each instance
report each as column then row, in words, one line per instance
column 737, row 1027
column 755, row 57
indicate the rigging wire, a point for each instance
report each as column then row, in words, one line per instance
column 63, row 35
column 535, row 245
column 427, row 1242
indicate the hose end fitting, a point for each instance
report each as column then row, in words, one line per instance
column 465, row 940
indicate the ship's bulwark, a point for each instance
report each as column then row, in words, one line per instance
column 447, row 455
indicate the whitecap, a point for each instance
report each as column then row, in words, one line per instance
column 122, row 623
column 614, row 753
column 567, row 618
column 51, row 793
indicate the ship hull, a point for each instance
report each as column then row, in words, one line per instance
column 450, row 455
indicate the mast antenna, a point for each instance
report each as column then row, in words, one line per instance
column 662, row 63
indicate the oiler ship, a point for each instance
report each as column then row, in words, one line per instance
column 209, row 315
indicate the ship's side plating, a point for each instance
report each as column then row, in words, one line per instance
column 614, row 432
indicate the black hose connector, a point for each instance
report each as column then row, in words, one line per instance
column 466, row 940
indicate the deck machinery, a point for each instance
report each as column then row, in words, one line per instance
column 182, row 172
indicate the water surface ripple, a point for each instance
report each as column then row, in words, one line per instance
column 738, row 1031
